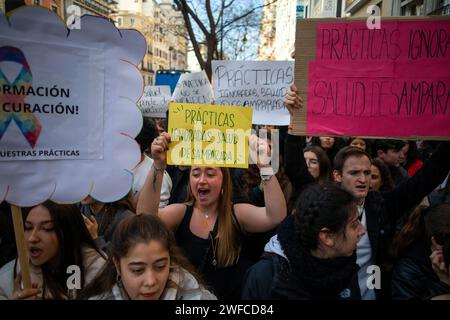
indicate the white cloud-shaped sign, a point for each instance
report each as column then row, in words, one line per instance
column 68, row 110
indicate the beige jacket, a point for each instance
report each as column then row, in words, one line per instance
column 92, row 261
column 181, row 285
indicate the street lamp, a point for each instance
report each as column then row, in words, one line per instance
column 170, row 57
column 244, row 43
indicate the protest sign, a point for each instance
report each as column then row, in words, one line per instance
column 67, row 105
column 261, row 85
column 388, row 82
column 209, row 135
column 154, row 101
column 193, row 88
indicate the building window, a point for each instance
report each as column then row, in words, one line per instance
column 119, row 22
column 132, row 21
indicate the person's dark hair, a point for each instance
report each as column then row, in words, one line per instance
column 386, row 178
column 252, row 177
column 327, row 206
column 339, row 143
column 437, row 224
column 324, row 163
column 72, row 235
column 148, row 133
column 132, row 231
column 162, row 122
column 316, row 141
column 367, row 141
column 111, row 208
column 386, row 145
column 423, row 221
column 412, row 155
column 346, row 153
column 411, row 230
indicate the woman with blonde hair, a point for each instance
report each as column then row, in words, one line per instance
column 209, row 227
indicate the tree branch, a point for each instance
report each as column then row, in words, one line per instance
column 182, row 6
column 222, row 9
column 210, row 17
column 192, row 14
column 227, row 24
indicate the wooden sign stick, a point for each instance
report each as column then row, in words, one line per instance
column 22, row 251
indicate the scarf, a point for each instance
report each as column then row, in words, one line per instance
column 320, row 278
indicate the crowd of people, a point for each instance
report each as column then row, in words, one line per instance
column 343, row 218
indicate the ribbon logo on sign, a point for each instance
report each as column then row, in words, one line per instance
column 27, row 122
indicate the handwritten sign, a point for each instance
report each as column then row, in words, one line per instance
column 193, row 88
column 209, row 135
column 261, row 85
column 154, row 101
column 388, row 82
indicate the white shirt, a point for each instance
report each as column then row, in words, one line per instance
column 364, row 259
column 140, row 173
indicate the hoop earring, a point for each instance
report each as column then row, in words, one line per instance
column 122, row 289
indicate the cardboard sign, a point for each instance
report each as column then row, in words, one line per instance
column 388, row 82
column 209, row 135
column 193, row 88
column 154, row 101
column 261, row 85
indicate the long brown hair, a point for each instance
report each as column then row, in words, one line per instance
column 227, row 237
column 324, row 164
column 72, row 235
column 424, row 222
column 130, row 232
column 411, row 230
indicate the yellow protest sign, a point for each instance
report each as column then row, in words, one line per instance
column 209, row 135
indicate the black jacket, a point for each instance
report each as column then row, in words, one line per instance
column 413, row 277
column 301, row 276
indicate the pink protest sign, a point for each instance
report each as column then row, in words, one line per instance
column 388, row 82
